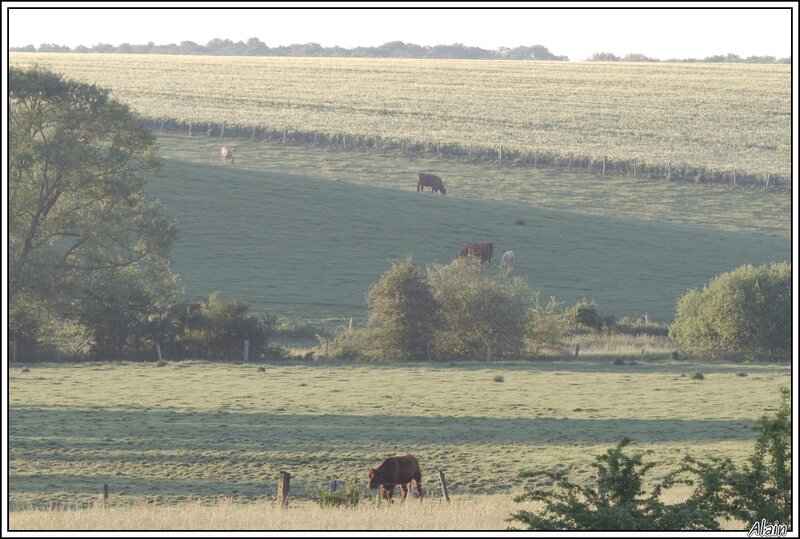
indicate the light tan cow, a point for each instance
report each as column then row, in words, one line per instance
column 227, row 155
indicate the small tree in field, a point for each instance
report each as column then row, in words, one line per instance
column 747, row 311
column 481, row 312
column 403, row 311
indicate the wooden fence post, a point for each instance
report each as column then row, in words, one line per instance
column 489, row 352
column 253, row 136
column 161, row 130
column 283, row 489
column 105, row 494
column 443, row 482
column 190, row 128
column 500, row 155
column 222, row 131
column 246, row 350
column 284, row 136
column 734, row 177
column 577, row 350
column 766, row 185
column 634, row 168
column 569, row 165
column 158, row 351
column 604, row 165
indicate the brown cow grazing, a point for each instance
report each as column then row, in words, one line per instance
column 227, row 155
column 483, row 250
column 397, row 470
column 430, row 180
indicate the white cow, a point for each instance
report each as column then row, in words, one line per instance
column 227, row 155
column 507, row 260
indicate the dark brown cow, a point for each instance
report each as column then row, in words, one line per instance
column 483, row 250
column 393, row 471
column 183, row 308
column 430, row 180
column 227, row 155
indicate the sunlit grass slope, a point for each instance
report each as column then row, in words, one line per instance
column 307, row 241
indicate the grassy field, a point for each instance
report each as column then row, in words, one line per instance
column 203, row 431
column 303, row 232
column 463, row 513
column 719, row 116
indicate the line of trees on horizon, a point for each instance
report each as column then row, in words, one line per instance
column 391, row 49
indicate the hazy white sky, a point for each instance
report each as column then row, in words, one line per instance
column 682, row 30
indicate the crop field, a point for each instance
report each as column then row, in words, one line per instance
column 303, row 232
column 717, row 116
column 201, row 431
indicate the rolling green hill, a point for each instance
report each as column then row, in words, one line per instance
column 307, row 241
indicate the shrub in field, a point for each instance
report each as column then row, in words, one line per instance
column 584, row 313
column 546, row 327
column 347, row 496
column 617, row 502
column 761, row 489
column 481, row 313
column 402, row 308
column 222, row 327
column 746, row 311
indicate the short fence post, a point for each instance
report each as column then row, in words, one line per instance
column 190, row 128
column 158, row 351
column 246, row 350
column 222, row 131
column 604, row 165
column 161, row 130
column 489, row 352
column 443, row 482
column 500, row 155
column 105, row 494
column 577, row 350
column 283, row 489
column 569, row 165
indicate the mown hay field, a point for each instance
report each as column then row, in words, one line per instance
column 717, row 116
column 200, row 431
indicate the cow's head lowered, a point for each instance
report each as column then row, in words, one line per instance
column 377, row 477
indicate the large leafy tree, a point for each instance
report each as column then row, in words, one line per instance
column 80, row 226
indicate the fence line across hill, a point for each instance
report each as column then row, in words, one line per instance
column 501, row 155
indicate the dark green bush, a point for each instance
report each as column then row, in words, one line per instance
column 617, row 502
column 761, row 489
column 747, row 312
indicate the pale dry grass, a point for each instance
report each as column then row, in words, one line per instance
column 473, row 513
column 480, row 513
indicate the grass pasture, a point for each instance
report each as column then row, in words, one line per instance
column 199, row 431
column 303, row 232
column 718, row 116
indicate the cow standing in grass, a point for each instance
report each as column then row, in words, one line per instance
column 227, row 155
column 482, row 250
column 430, row 180
column 507, row 260
column 393, row 471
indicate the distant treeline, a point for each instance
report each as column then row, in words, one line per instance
column 731, row 58
column 255, row 47
column 392, row 49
